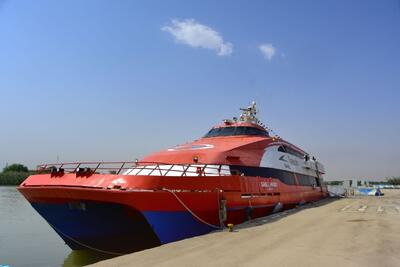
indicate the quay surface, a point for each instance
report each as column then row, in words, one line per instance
column 359, row 231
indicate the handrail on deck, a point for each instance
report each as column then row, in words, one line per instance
column 146, row 168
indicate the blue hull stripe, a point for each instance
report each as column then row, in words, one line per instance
column 104, row 226
column 115, row 227
column 173, row 226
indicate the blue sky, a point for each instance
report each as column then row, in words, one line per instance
column 116, row 80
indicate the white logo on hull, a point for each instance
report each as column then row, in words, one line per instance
column 191, row 147
column 270, row 185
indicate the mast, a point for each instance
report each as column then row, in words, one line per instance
column 249, row 114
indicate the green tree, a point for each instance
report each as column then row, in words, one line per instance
column 13, row 178
column 15, row 168
column 393, row 180
column 334, row 182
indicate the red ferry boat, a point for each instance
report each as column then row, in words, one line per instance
column 234, row 173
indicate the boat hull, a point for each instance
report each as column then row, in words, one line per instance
column 105, row 227
column 118, row 220
column 114, row 223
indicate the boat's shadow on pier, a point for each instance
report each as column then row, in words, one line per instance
column 283, row 214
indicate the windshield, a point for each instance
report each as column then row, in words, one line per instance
column 240, row 130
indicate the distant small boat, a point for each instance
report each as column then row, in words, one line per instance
column 369, row 191
column 234, row 173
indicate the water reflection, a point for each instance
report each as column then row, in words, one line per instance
column 78, row 258
column 26, row 240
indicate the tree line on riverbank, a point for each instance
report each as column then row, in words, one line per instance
column 393, row 180
column 14, row 174
column 389, row 181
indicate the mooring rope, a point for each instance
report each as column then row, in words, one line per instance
column 120, row 254
column 190, row 211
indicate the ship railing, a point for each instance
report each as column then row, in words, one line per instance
column 137, row 168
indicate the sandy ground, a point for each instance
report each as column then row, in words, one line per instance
column 362, row 231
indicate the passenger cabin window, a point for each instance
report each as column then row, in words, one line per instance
column 291, row 151
column 239, row 130
column 281, row 149
column 287, row 178
column 307, row 180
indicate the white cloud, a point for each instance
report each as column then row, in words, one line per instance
column 268, row 50
column 195, row 34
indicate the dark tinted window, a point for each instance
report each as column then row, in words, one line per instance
column 226, row 131
column 284, row 176
column 307, row 180
column 287, row 178
column 240, row 130
column 253, row 131
column 281, row 149
column 290, row 151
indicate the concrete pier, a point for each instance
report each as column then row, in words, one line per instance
column 359, row 231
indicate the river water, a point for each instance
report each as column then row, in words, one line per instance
column 27, row 240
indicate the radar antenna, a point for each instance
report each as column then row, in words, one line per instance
column 249, row 113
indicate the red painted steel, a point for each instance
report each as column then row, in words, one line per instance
column 201, row 193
